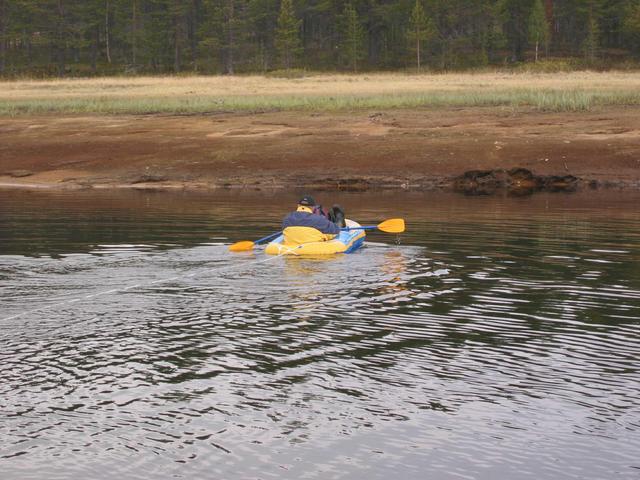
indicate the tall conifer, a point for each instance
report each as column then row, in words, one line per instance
column 591, row 42
column 420, row 29
column 538, row 27
column 632, row 27
column 287, row 41
column 353, row 36
column 3, row 34
column 515, row 15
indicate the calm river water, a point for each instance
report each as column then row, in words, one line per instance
column 498, row 338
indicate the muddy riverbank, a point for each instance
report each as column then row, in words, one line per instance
column 473, row 149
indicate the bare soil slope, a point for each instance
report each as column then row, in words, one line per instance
column 418, row 148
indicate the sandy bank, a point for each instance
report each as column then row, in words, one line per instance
column 411, row 149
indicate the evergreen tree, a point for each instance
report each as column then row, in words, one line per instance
column 60, row 36
column 4, row 10
column 591, row 42
column 210, row 41
column 135, row 31
column 352, row 37
column 107, row 28
column 262, row 16
column 420, row 29
column 156, row 46
column 230, row 29
column 19, row 25
column 515, row 14
column 631, row 27
column 178, row 11
column 467, row 32
column 538, row 28
column 287, row 40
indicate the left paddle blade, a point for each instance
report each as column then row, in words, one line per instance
column 242, row 246
column 393, row 225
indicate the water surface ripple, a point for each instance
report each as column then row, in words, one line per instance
column 498, row 338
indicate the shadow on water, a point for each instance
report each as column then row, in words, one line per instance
column 497, row 338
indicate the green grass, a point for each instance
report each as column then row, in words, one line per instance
column 560, row 100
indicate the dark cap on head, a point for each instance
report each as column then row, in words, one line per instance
column 307, row 201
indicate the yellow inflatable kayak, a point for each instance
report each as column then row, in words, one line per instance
column 347, row 241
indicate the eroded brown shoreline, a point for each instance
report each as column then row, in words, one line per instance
column 473, row 150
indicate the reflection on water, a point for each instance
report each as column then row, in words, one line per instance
column 499, row 339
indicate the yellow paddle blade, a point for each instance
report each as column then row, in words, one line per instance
column 241, row 246
column 393, row 225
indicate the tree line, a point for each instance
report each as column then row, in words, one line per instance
column 84, row 37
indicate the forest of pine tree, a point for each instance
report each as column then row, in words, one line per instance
column 91, row 37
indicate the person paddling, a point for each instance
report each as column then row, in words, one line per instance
column 309, row 223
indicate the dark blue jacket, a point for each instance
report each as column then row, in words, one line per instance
column 306, row 219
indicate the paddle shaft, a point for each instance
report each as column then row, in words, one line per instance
column 267, row 238
column 346, row 229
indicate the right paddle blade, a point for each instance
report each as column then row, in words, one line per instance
column 241, row 246
column 393, row 225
